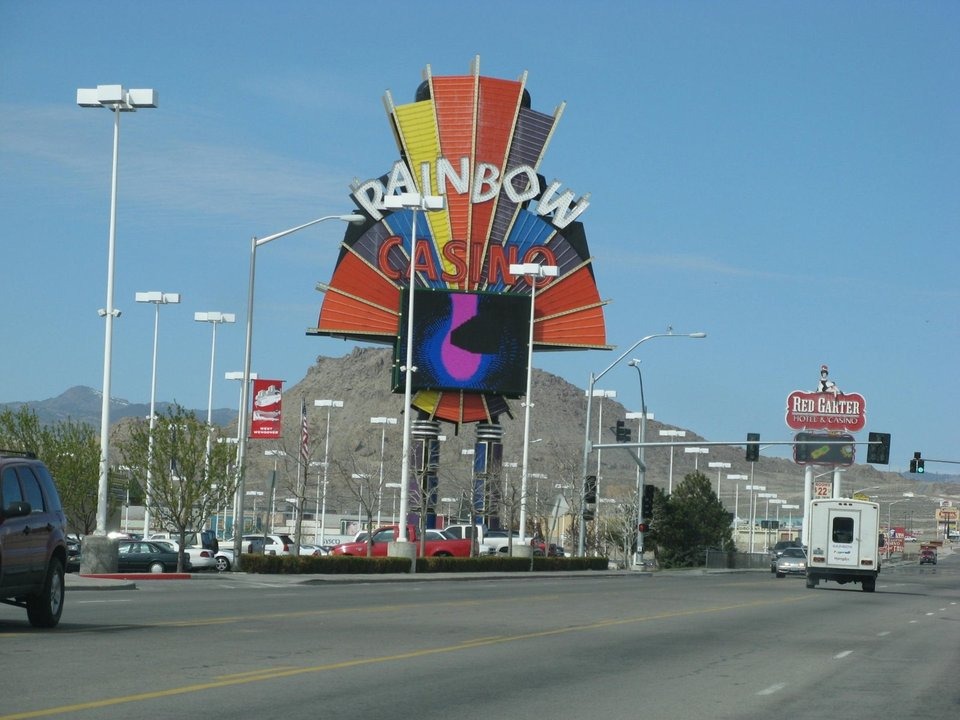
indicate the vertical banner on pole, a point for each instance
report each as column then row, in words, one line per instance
column 267, row 409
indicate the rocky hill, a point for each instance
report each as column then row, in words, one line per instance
column 361, row 379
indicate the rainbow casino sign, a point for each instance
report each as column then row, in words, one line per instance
column 478, row 142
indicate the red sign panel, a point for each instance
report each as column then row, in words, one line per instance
column 267, row 402
column 840, row 412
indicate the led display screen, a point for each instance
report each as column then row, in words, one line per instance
column 465, row 341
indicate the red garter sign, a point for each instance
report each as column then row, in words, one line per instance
column 828, row 408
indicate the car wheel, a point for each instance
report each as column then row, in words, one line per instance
column 869, row 584
column 443, row 553
column 156, row 568
column 222, row 564
column 780, row 575
column 44, row 608
column 811, row 581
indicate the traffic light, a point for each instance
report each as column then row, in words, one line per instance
column 622, row 432
column 879, row 454
column 753, row 447
column 646, row 506
column 589, row 497
column 590, row 490
column 916, row 465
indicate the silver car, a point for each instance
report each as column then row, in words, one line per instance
column 792, row 561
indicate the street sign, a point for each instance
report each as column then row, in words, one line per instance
column 821, row 449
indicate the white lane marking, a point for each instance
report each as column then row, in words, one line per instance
column 882, row 634
column 913, row 621
column 98, row 602
column 928, row 614
column 840, row 656
column 772, row 689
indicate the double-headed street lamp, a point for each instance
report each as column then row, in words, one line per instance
column 355, row 219
column 672, row 434
column 214, row 318
column 586, row 433
column 415, row 202
column 322, row 511
column 697, row 452
column 382, row 422
column 532, row 272
column 641, row 465
column 718, row 466
column 158, row 298
column 118, row 100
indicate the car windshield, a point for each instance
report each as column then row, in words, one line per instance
column 793, row 552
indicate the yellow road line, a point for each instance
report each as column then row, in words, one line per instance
column 286, row 672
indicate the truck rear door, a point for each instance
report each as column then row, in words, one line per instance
column 843, row 547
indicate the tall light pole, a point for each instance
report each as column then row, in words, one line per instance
column 586, row 433
column 237, row 375
column 322, row 511
column 118, row 100
column 736, row 504
column 382, row 422
column 697, row 452
column 598, row 393
column 248, row 347
column 532, row 272
column 753, row 508
column 641, row 466
column 158, row 298
column 214, row 318
column 673, row 434
column 719, row 466
column 415, row 202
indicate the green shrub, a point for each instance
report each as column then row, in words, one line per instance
column 345, row 564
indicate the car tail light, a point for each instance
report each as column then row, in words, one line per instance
column 206, row 554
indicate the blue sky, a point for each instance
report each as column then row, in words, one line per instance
column 782, row 176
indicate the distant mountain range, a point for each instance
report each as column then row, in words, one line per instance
column 83, row 404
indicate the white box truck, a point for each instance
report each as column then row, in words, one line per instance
column 844, row 542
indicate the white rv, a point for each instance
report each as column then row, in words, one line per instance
column 844, row 542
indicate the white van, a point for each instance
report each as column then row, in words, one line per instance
column 844, row 543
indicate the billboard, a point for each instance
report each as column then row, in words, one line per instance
column 476, row 342
column 479, row 144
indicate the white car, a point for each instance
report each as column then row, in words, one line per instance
column 275, row 544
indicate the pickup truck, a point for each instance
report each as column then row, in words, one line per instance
column 436, row 543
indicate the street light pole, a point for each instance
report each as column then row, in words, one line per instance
column 118, row 100
column 673, row 434
column 415, row 202
column 532, row 272
column 642, row 466
column 586, row 433
column 719, row 466
column 157, row 298
column 382, row 422
column 214, row 318
column 355, row 219
column 329, row 405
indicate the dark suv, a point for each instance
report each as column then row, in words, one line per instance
column 33, row 549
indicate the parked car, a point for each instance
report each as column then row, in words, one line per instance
column 275, row 544
column 73, row 555
column 792, row 561
column 200, row 559
column 33, row 547
column 928, row 556
column 146, row 556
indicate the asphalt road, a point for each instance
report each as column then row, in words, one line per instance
column 615, row 646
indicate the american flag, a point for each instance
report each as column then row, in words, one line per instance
column 304, row 432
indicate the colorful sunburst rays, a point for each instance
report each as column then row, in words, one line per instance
column 476, row 141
